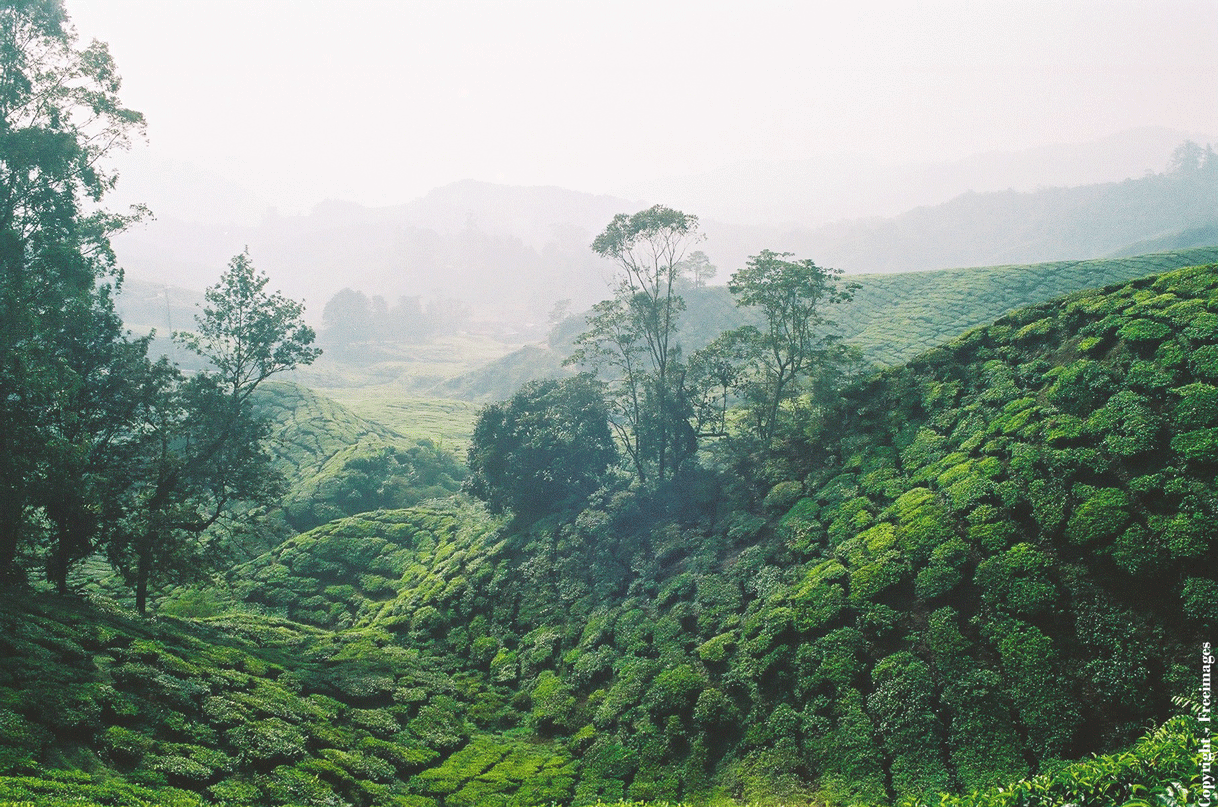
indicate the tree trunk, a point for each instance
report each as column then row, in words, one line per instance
column 58, row 571
column 142, row 573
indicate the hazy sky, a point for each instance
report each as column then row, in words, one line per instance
column 378, row 101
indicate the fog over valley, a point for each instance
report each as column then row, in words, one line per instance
column 460, row 149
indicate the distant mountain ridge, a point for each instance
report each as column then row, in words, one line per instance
column 810, row 193
column 512, row 252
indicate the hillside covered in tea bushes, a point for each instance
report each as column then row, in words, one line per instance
column 337, row 463
column 965, row 572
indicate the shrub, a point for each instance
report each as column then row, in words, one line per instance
column 125, row 746
column 783, row 495
column 1081, row 386
column 850, row 760
column 1143, row 330
column 801, row 527
column 268, row 740
column 1199, row 600
column 553, row 704
column 1197, row 407
column 1204, row 362
column 440, row 724
column 1099, row 517
column 716, row 649
column 984, row 743
column 675, row 690
column 1199, row 445
column 1185, row 535
column 1044, row 702
column 715, row 711
column 867, row 582
column 901, row 705
column 1137, row 551
column 289, row 785
column 944, row 571
column 1125, row 424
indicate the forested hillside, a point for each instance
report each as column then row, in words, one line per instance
column 976, row 564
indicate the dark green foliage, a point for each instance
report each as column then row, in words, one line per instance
column 901, row 703
column 1197, row 407
column 945, row 570
column 72, row 387
column 1099, row 517
column 1198, row 446
column 547, row 443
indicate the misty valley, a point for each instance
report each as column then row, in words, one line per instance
column 558, row 499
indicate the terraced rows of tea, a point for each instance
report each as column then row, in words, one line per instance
column 895, row 317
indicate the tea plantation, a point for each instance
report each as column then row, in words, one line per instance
column 981, row 577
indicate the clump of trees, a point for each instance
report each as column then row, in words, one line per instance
column 742, row 389
column 103, row 449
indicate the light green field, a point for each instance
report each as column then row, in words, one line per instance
column 396, row 390
column 410, row 369
column 445, row 422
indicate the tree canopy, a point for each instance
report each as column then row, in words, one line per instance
column 548, row 442
column 632, row 337
column 103, row 450
column 794, row 342
column 61, row 346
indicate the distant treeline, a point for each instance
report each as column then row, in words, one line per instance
column 352, row 317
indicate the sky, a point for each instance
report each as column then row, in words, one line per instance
column 379, row 101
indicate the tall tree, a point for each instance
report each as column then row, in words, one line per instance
column 248, row 334
column 795, row 346
column 60, row 117
column 613, row 345
column 204, row 458
column 698, row 268
column 106, row 387
column 633, row 336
